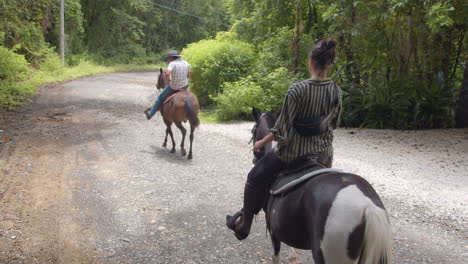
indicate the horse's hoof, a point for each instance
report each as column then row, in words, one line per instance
column 164, row 145
column 183, row 152
column 172, row 150
column 190, row 156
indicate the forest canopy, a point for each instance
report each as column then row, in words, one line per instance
column 401, row 63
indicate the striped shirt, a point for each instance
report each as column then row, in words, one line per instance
column 305, row 99
column 179, row 71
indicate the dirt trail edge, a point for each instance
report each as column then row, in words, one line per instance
column 84, row 179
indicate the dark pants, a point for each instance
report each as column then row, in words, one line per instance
column 262, row 175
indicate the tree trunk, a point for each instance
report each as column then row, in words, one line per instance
column 461, row 119
column 62, row 32
column 297, row 34
column 405, row 46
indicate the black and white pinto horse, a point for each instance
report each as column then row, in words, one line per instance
column 337, row 215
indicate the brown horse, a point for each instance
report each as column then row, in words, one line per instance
column 336, row 215
column 177, row 108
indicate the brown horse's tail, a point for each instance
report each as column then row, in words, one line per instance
column 191, row 112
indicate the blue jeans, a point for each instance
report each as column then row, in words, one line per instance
column 162, row 96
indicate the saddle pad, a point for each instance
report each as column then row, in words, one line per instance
column 287, row 183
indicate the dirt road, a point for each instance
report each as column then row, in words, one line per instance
column 84, row 179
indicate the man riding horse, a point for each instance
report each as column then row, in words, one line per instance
column 177, row 76
column 303, row 131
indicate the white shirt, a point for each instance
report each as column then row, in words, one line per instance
column 179, row 71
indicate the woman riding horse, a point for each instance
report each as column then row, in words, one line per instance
column 177, row 76
column 307, row 103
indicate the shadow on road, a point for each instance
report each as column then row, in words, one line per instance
column 166, row 155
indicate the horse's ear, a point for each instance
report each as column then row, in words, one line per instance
column 276, row 114
column 160, row 70
column 256, row 113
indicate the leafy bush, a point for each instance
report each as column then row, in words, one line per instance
column 275, row 85
column 434, row 105
column 238, row 98
column 32, row 44
column 265, row 93
column 416, row 104
column 51, row 64
column 13, row 67
column 216, row 61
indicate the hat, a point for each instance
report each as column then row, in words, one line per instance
column 172, row 53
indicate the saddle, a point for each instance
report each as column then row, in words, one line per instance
column 169, row 98
column 291, row 178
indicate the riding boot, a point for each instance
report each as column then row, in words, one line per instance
column 242, row 221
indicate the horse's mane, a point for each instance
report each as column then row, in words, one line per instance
column 271, row 117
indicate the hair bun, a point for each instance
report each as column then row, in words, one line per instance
column 324, row 52
column 330, row 44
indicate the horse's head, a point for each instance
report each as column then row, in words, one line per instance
column 263, row 123
column 161, row 84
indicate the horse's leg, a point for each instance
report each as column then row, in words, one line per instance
column 276, row 247
column 192, row 129
column 184, row 132
column 165, row 139
column 169, row 131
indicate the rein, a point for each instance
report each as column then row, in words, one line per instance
column 267, row 116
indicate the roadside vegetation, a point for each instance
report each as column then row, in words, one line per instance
column 402, row 64
column 101, row 36
column 20, row 80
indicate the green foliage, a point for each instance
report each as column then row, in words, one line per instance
column 389, row 52
column 74, row 26
column 382, row 107
column 238, row 98
column 97, row 31
column 13, row 93
column 275, row 50
column 435, row 106
column 126, row 54
column 438, row 16
column 51, row 64
column 263, row 92
column 216, row 61
column 394, row 53
column 13, row 67
column 274, row 86
column 119, row 31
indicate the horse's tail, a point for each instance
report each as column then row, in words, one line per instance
column 377, row 247
column 191, row 112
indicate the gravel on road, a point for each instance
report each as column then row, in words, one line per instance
column 84, row 179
